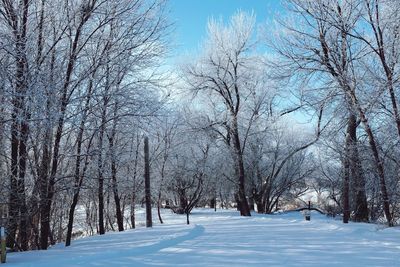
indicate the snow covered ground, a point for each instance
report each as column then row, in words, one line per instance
column 223, row 238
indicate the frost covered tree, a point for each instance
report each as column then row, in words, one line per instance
column 65, row 63
column 330, row 50
column 279, row 167
column 224, row 74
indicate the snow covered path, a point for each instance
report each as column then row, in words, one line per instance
column 226, row 239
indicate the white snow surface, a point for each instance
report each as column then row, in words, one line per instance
column 223, row 238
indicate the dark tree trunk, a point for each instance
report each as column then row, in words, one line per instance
column 19, row 128
column 71, row 219
column 251, row 203
column 182, row 200
column 149, row 222
column 45, row 225
column 46, row 159
column 100, row 189
column 244, row 206
column 14, row 201
column 238, row 203
column 133, row 223
column 241, row 194
column 258, row 201
column 78, row 176
column 346, row 180
column 100, row 192
column 360, row 206
column 100, row 196
column 133, row 196
column 23, row 229
column 159, row 207
column 260, row 207
column 377, row 158
column 120, row 218
column 212, row 203
column 111, row 141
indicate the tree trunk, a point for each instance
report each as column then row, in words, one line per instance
column 133, row 212
column 159, row 207
column 260, row 207
column 149, row 222
column 23, row 229
column 14, row 201
column 360, row 206
column 120, row 217
column 71, row 220
column 346, row 180
column 251, row 203
column 78, row 176
column 212, row 203
column 133, row 196
column 100, row 192
column 165, row 157
column 377, row 158
column 238, row 203
column 19, row 128
column 244, row 206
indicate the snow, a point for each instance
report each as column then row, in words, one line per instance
column 223, row 238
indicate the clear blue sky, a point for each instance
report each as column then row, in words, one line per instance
column 191, row 16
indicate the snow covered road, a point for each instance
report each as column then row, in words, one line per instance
column 226, row 239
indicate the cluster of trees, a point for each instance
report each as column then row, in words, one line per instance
column 345, row 57
column 75, row 75
column 237, row 107
column 81, row 85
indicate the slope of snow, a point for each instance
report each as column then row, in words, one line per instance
column 223, row 238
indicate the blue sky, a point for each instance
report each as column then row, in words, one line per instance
column 191, row 16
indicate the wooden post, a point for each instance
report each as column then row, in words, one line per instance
column 149, row 222
column 3, row 245
column 308, row 212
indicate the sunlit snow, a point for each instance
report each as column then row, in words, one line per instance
column 223, row 238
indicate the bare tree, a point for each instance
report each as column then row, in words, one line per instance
column 324, row 46
column 223, row 73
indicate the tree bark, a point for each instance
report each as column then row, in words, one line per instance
column 346, row 180
column 159, row 207
column 133, row 196
column 78, row 175
column 19, row 126
column 149, row 222
column 100, row 189
column 120, row 217
column 359, row 198
column 377, row 158
column 241, row 194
